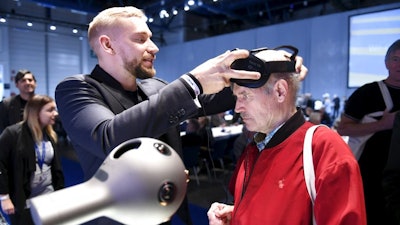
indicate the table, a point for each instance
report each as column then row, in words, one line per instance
column 220, row 133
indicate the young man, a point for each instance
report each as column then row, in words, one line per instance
column 12, row 108
column 268, row 183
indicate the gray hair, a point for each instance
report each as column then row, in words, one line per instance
column 394, row 47
column 291, row 78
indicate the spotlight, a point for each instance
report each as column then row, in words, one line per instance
column 74, row 30
column 3, row 20
column 174, row 11
column 52, row 27
column 29, row 24
column 164, row 14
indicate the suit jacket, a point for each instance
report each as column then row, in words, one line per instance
column 11, row 111
column 98, row 114
column 18, row 163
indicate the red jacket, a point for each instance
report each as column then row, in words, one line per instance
column 276, row 192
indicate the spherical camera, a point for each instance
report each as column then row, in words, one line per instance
column 142, row 181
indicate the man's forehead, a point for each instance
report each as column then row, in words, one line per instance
column 138, row 21
column 240, row 90
column 27, row 76
column 396, row 53
column 139, row 25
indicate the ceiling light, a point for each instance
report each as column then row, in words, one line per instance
column 29, row 24
column 191, row 2
column 164, row 14
column 52, row 27
column 174, row 11
column 2, row 20
column 74, row 30
column 186, row 8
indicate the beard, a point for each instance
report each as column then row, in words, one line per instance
column 144, row 73
column 136, row 69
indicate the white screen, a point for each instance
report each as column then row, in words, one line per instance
column 370, row 36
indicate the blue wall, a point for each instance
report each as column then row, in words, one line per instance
column 322, row 42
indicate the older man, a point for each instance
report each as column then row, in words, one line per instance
column 268, row 184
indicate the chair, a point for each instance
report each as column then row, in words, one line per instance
column 192, row 161
column 218, row 152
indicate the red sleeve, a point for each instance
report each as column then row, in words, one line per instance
column 340, row 197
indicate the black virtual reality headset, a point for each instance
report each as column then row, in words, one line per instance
column 253, row 63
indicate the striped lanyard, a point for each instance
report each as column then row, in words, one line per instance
column 40, row 157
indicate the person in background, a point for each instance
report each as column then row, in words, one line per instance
column 218, row 120
column 121, row 99
column 391, row 175
column 324, row 117
column 12, row 108
column 241, row 142
column 268, row 184
column 336, row 107
column 368, row 99
column 192, row 136
column 327, row 104
column 206, row 132
column 29, row 162
column 308, row 102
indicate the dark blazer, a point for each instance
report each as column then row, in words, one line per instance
column 18, row 163
column 11, row 111
column 98, row 115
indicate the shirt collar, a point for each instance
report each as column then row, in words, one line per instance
column 263, row 142
column 282, row 132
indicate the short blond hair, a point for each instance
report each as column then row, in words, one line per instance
column 109, row 18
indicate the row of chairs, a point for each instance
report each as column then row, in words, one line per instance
column 195, row 158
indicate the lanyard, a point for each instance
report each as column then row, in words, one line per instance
column 40, row 157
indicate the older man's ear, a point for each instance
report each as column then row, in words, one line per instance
column 281, row 89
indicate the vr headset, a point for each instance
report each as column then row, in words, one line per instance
column 253, row 63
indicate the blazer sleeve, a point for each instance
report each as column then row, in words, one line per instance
column 3, row 115
column 216, row 103
column 7, row 141
column 92, row 124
